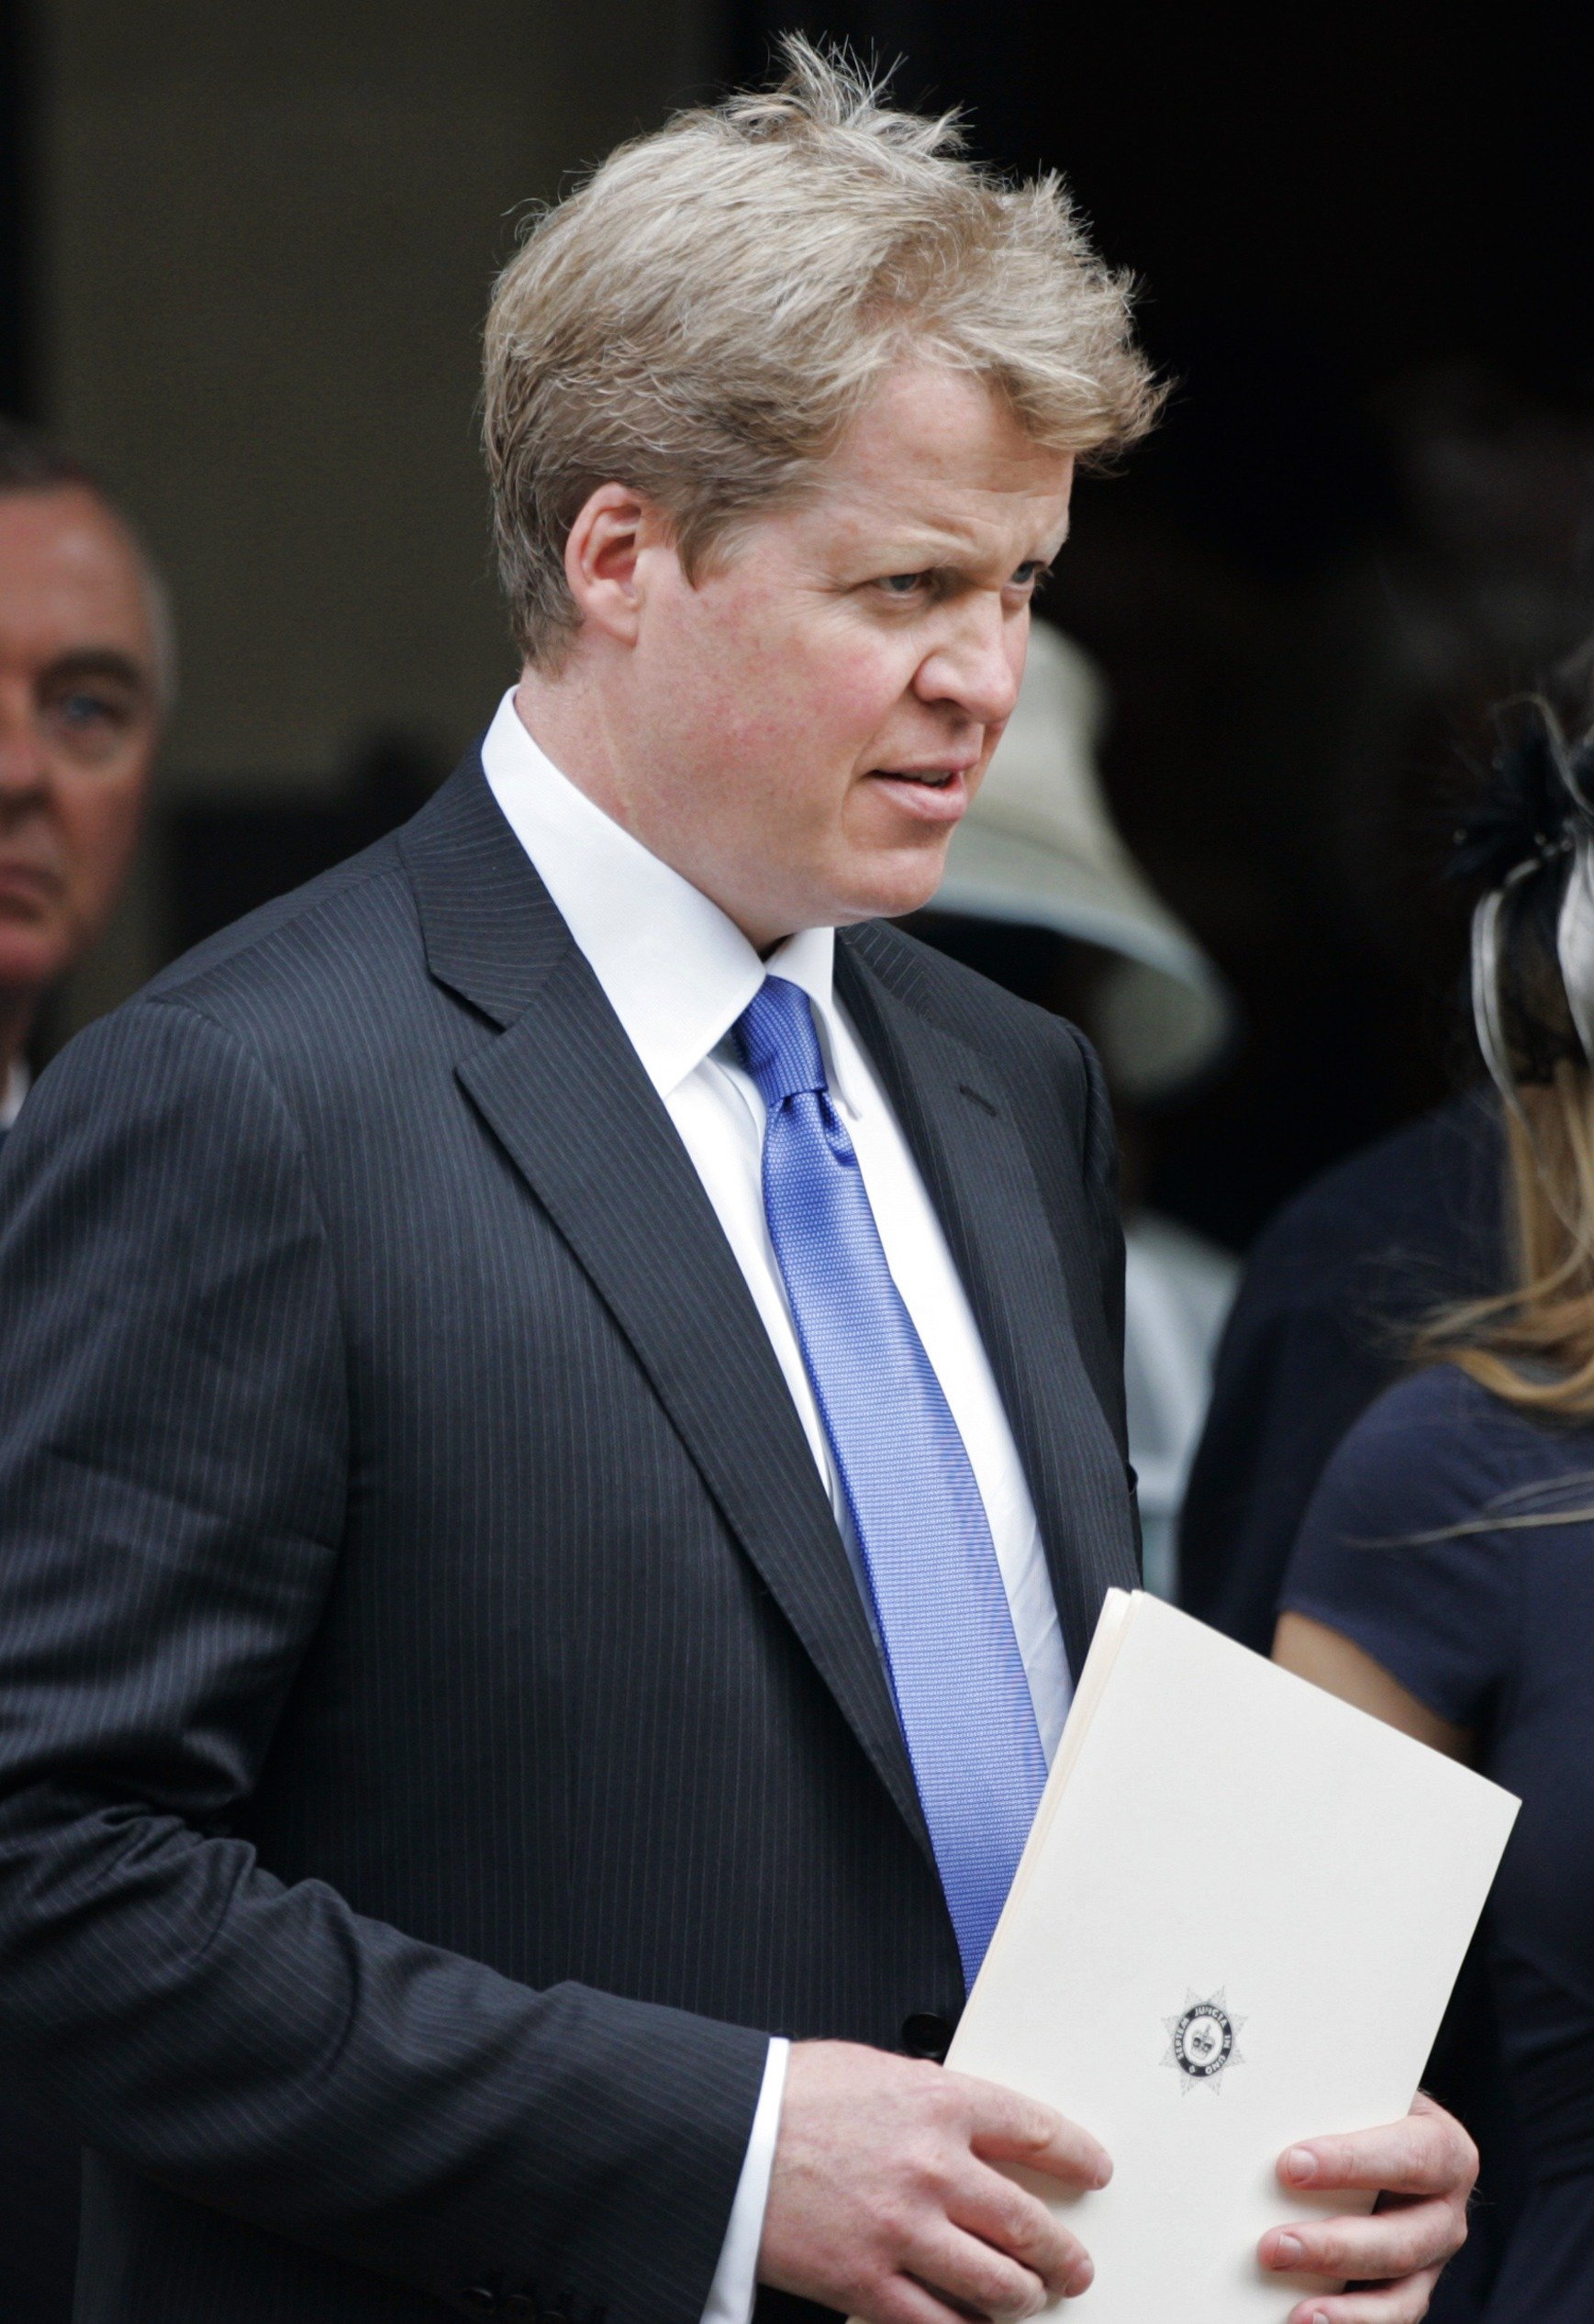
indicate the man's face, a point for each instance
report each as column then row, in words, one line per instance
column 807, row 725
column 78, row 714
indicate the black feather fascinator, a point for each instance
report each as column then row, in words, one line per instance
column 1539, row 788
column 1528, row 841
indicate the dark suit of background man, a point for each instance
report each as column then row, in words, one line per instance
column 564, row 1436
column 84, row 666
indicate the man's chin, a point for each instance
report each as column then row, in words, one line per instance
column 883, row 886
column 28, row 965
column 892, row 892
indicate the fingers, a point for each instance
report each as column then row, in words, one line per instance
column 1003, row 2214
column 1396, row 2244
column 1005, row 2127
column 884, row 2202
column 1428, row 2153
column 966, row 2273
column 1402, row 2303
column 906, row 2300
column 1428, row 2164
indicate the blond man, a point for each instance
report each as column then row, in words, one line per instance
column 608, row 1446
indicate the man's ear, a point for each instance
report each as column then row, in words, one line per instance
column 602, row 555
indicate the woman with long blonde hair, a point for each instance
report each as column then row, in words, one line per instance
column 1444, row 1574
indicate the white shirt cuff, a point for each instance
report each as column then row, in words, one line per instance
column 735, row 2284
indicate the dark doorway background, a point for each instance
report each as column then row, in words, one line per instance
column 1365, row 240
column 17, row 383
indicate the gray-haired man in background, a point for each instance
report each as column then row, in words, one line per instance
column 84, row 669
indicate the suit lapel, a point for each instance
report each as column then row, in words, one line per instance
column 958, row 1122
column 565, row 1094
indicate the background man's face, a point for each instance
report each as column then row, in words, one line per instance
column 78, row 715
column 812, row 718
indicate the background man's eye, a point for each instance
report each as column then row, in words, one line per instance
column 85, row 711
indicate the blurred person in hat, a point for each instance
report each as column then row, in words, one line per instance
column 1042, row 894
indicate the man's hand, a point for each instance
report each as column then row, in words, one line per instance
column 883, row 2202
column 1426, row 2167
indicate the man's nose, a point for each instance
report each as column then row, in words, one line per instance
column 973, row 665
column 23, row 765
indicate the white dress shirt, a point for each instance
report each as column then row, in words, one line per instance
column 678, row 973
column 13, row 1090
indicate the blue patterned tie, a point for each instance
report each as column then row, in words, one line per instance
column 940, row 1604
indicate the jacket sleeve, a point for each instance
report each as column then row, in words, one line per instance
column 174, row 1464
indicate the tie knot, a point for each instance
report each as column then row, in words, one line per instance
column 778, row 1044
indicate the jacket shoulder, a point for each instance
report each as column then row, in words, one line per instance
column 269, row 944
column 967, row 1005
column 319, row 997
column 354, row 930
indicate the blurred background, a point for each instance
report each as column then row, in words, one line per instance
column 244, row 254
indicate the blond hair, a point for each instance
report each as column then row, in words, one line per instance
column 701, row 320
column 1534, row 1345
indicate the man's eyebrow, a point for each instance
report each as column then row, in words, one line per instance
column 99, row 661
column 927, row 560
column 940, row 546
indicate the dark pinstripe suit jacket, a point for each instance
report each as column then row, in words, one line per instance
column 439, row 1730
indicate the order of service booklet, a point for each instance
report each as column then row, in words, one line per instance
column 1236, row 1925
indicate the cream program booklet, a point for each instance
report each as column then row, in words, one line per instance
column 1236, row 1924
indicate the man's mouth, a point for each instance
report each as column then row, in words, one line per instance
column 19, row 877
column 935, row 794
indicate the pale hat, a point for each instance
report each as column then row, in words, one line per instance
column 1039, row 847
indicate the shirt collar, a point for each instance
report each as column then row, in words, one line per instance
column 675, row 970
column 13, row 1090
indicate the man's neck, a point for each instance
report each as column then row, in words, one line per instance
column 564, row 720
column 564, row 716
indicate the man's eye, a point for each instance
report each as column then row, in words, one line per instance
column 89, row 722
column 1031, row 575
column 81, row 710
column 902, row 584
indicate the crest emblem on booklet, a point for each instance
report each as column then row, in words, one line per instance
column 1201, row 2041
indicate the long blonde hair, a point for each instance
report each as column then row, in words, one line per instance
column 1534, row 1345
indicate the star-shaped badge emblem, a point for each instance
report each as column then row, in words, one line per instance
column 1201, row 2041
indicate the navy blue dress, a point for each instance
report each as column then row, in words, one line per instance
column 1452, row 1539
